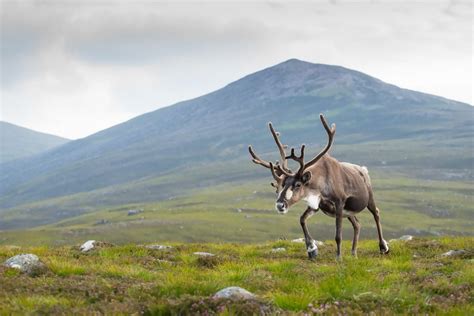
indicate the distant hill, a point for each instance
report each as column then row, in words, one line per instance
column 19, row 142
column 203, row 141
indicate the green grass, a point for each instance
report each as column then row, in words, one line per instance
column 413, row 279
column 408, row 206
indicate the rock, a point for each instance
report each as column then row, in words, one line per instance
column 133, row 212
column 102, row 222
column 302, row 240
column 88, row 245
column 403, row 238
column 27, row 263
column 281, row 249
column 204, row 254
column 298, row 240
column 234, row 292
column 158, row 247
column 454, row 253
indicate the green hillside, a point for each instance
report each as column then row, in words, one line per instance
column 244, row 212
column 202, row 142
column 19, row 142
column 414, row 278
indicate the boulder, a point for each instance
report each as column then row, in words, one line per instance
column 134, row 212
column 298, row 240
column 204, row 254
column 281, row 249
column 158, row 247
column 402, row 238
column 88, row 245
column 234, row 292
column 27, row 263
column 454, row 253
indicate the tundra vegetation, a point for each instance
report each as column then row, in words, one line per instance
column 415, row 278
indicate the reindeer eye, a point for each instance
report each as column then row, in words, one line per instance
column 298, row 185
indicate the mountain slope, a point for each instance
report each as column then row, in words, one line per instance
column 377, row 123
column 19, row 142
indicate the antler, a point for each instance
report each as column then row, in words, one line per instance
column 279, row 168
column 256, row 159
column 299, row 159
column 331, row 131
column 281, row 147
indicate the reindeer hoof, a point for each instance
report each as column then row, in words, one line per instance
column 313, row 254
column 384, row 248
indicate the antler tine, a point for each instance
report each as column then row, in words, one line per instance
column 256, row 159
column 275, row 176
column 330, row 131
column 281, row 147
column 299, row 159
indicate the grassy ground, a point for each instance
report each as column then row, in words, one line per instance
column 413, row 279
column 244, row 212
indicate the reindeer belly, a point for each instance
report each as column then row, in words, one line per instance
column 345, row 213
column 352, row 207
column 355, row 205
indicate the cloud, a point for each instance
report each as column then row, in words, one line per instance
column 72, row 68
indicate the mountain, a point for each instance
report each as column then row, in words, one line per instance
column 203, row 141
column 19, row 142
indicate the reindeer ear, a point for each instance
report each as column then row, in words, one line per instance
column 306, row 177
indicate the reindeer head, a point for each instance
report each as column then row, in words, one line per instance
column 290, row 186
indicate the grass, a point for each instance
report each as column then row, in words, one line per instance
column 243, row 212
column 413, row 279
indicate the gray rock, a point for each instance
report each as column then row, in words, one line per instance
column 102, row 222
column 158, row 247
column 281, row 249
column 27, row 263
column 88, row 245
column 298, row 240
column 204, row 254
column 234, row 292
column 134, row 212
column 454, row 253
column 403, row 238
column 302, row 240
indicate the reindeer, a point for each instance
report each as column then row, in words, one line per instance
column 338, row 189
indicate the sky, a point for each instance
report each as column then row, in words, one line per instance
column 72, row 68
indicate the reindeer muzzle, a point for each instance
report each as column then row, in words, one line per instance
column 281, row 207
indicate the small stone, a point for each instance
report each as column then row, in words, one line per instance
column 158, row 247
column 27, row 263
column 204, row 254
column 281, row 249
column 134, row 212
column 234, row 292
column 454, row 253
column 402, row 238
column 88, row 245
column 298, row 240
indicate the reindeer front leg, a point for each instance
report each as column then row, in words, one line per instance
column 338, row 230
column 311, row 246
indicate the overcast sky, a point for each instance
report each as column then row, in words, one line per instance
column 72, row 68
